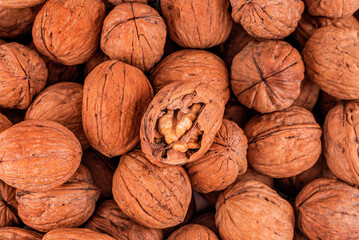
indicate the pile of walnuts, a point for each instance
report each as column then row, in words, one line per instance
column 179, row 119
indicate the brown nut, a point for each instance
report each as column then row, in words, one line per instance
column 137, row 25
column 61, row 73
column 14, row 233
column 2, row 41
column 207, row 220
column 308, row 96
column 75, row 234
column 252, row 210
column 44, row 153
column 193, row 232
column 23, row 75
column 8, row 206
column 68, row 205
column 251, row 174
column 332, row 8
column 5, row 123
column 328, row 209
column 237, row 113
column 153, row 197
column 331, row 57
column 274, row 19
column 109, row 219
column 20, row 3
column 96, row 59
column 58, row 24
column 219, row 166
column 117, row 2
column 116, row 96
column 197, row 24
column 327, row 102
column 284, row 143
column 267, row 75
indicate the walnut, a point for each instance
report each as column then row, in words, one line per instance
column 137, row 25
column 197, row 24
column 5, row 123
column 68, row 205
column 153, row 197
column 274, row 19
column 284, row 143
column 194, row 232
column 8, row 206
column 23, row 75
column 251, row 174
column 237, row 113
column 207, row 220
column 267, row 75
column 2, row 41
column 44, row 153
column 308, row 96
column 75, row 234
column 97, row 58
column 20, row 3
column 169, row 108
column 252, row 210
column 331, row 57
column 115, row 98
column 62, row 73
column 332, row 8
column 58, row 24
column 117, row 2
column 14, row 233
column 108, row 218
column 192, row 65
column 219, row 166
column 328, row 209
column 327, row 102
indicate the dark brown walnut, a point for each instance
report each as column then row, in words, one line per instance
column 331, row 57
column 97, row 58
column 326, row 173
column 20, row 3
column 193, row 232
column 2, row 41
column 117, row 2
column 328, row 209
column 308, row 96
column 109, row 219
column 151, row 196
column 197, row 24
column 252, row 210
column 75, row 234
column 23, row 75
column 267, row 75
column 222, row 163
column 267, row 19
column 207, row 220
column 116, row 96
column 284, row 143
column 327, row 102
column 5, row 123
column 14, row 233
column 181, row 122
column 68, row 205
column 38, row 155
column 134, row 33
column 67, row 31
column 8, row 206
column 192, row 65
column 61, row 103
column 237, row 113
column 332, row 8
column 62, row 73
column 251, row 174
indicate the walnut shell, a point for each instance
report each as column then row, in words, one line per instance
column 108, row 218
column 2, row 41
column 267, row 75
column 116, row 96
column 284, row 143
column 207, row 220
column 5, row 123
column 23, row 75
column 327, row 102
column 308, row 96
column 8, row 206
column 193, row 232
column 251, row 174
column 153, row 197
column 68, row 205
column 329, row 64
column 117, row 2
column 58, row 24
column 332, row 8
column 197, row 24
column 137, row 25
column 237, row 113
column 20, row 3
column 328, row 209
column 14, row 233
column 62, row 73
column 96, row 59
column 219, row 166
column 75, row 234
column 252, row 210
column 44, row 153
column 272, row 20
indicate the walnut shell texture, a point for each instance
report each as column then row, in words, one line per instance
column 23, row 75
column 5, row 123
column 327, row 102
column 194, row 232
column 284, row 143
column 267, row 75
column 116, row 96
column 252, row 210
column 274, row 19
column 308, row 96
column 153, row 197
column 117, row 2
column 331, row 57
column 332, row 8
column 62, row 73
column 251, row 174
column 44, row 153
column 328, row 209
column 75, row 234
column 58, row 24
column 61, row 206
column 96, row 59
column 197, row 24
column 207, row 220
column 14, row 233
column 8, row 206
column 20, row 3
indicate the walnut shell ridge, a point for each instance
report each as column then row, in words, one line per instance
column 194, row 232
column 332, row 8
column 75, row 234
column 20, row 3
column 15, row 233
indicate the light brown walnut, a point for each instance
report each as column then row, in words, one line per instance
column 75, row 234
column 332, row 8
column 15, row 233
column 193, row 232
column 20, row 3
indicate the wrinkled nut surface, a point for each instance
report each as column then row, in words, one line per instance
column 58, row 24
column 68, row 205
column 331, row 57
column 20, row 3
column 5, row 123
column 152, row 196
column 109, row 219
column 134, row 33
column 332, row 8
column 308, row 96
column 96, row 59
column 222, row 163
column 197, row 24
column 75, row 234
column 23, row 75
column 14, row 233
column 8, row 206
column 117, row 2
column 207, row 220
column 252, row 210
column 284, row 143
column 268, row 19
column 328, row 209
column 267, row 75
column 38, row 155
column 194, row 232
column 251, row 174
column 197, row 132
